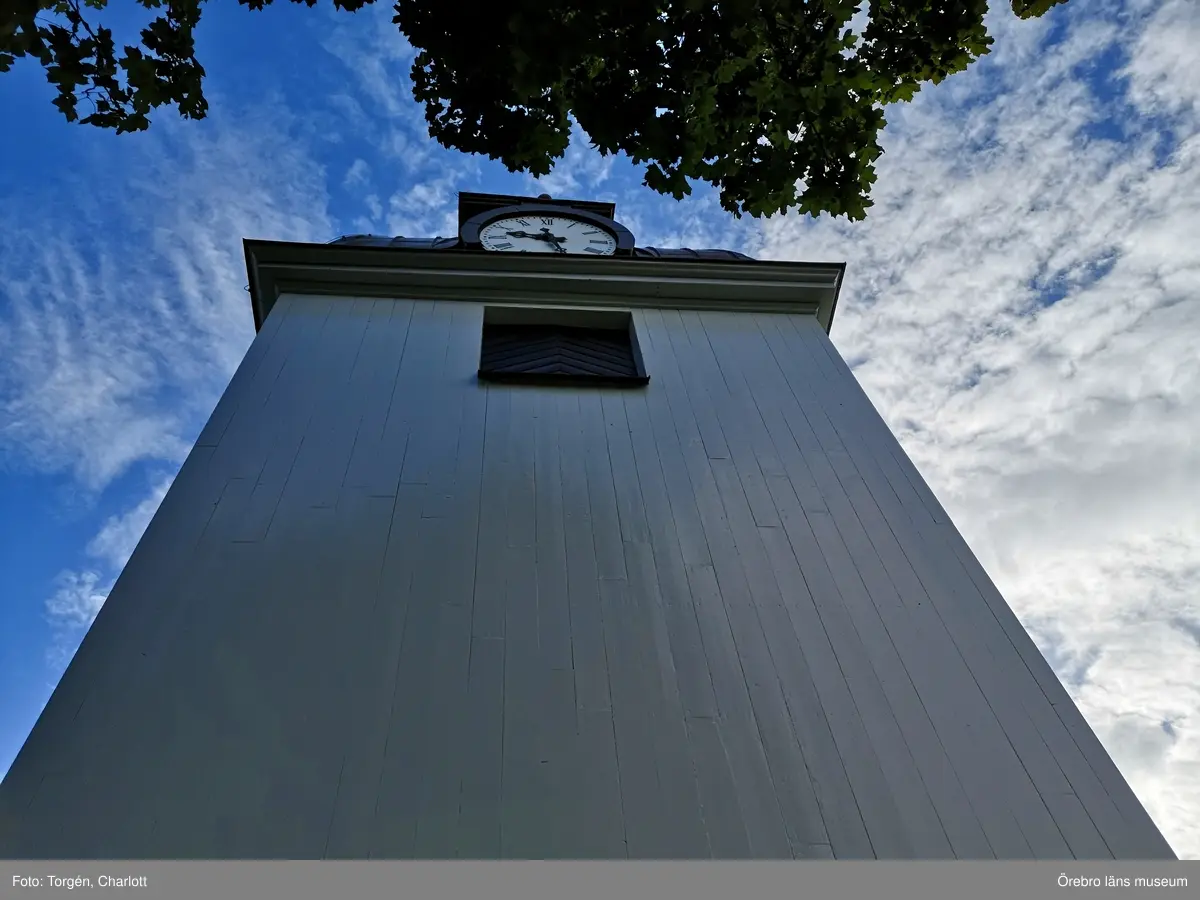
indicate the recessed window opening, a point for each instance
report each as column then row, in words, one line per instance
column 586, row 347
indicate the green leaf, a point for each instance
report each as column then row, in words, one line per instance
column 1032, row 9
column 752, row 97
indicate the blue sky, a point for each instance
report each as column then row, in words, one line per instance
column 1020, row 305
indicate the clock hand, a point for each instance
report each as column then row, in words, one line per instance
column 549, row 238
column 553, row 238
column 544, row 235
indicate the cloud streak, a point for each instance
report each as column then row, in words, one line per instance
column 122, row 327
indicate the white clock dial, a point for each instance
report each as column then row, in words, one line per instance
column 538, row 233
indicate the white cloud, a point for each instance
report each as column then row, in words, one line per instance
column 1061, row 437
column 696, row 222
column 379, row 57
column 425, row 209
column 126, row 314
column 358, row 173
column 416, row 178
column 76, row 599
column 79, row 595
column 75, row 603
column 1165, row 50
column 119, row 536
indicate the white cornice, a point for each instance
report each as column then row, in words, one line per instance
column 276, row 268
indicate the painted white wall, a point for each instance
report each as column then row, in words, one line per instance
column 385, row 610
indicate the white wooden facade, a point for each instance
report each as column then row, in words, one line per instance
column 386, row 610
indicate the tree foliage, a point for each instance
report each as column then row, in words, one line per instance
column 776, row 103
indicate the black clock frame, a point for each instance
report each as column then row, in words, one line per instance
column 469, row 233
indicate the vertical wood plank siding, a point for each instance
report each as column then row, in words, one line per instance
column 386, row 610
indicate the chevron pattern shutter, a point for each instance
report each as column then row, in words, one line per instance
column 556, row 353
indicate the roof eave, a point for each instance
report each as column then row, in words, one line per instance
column 276, row 267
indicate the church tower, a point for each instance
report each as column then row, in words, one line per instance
column 530, row 542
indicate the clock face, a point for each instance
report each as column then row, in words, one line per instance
column 547, row 234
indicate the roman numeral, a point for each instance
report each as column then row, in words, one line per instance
column 545, row 221
column 524, row 222
column 573, row 224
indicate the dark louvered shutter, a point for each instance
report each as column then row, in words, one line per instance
column 558, row 353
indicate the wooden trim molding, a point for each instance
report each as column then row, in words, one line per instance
column 752, row 286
